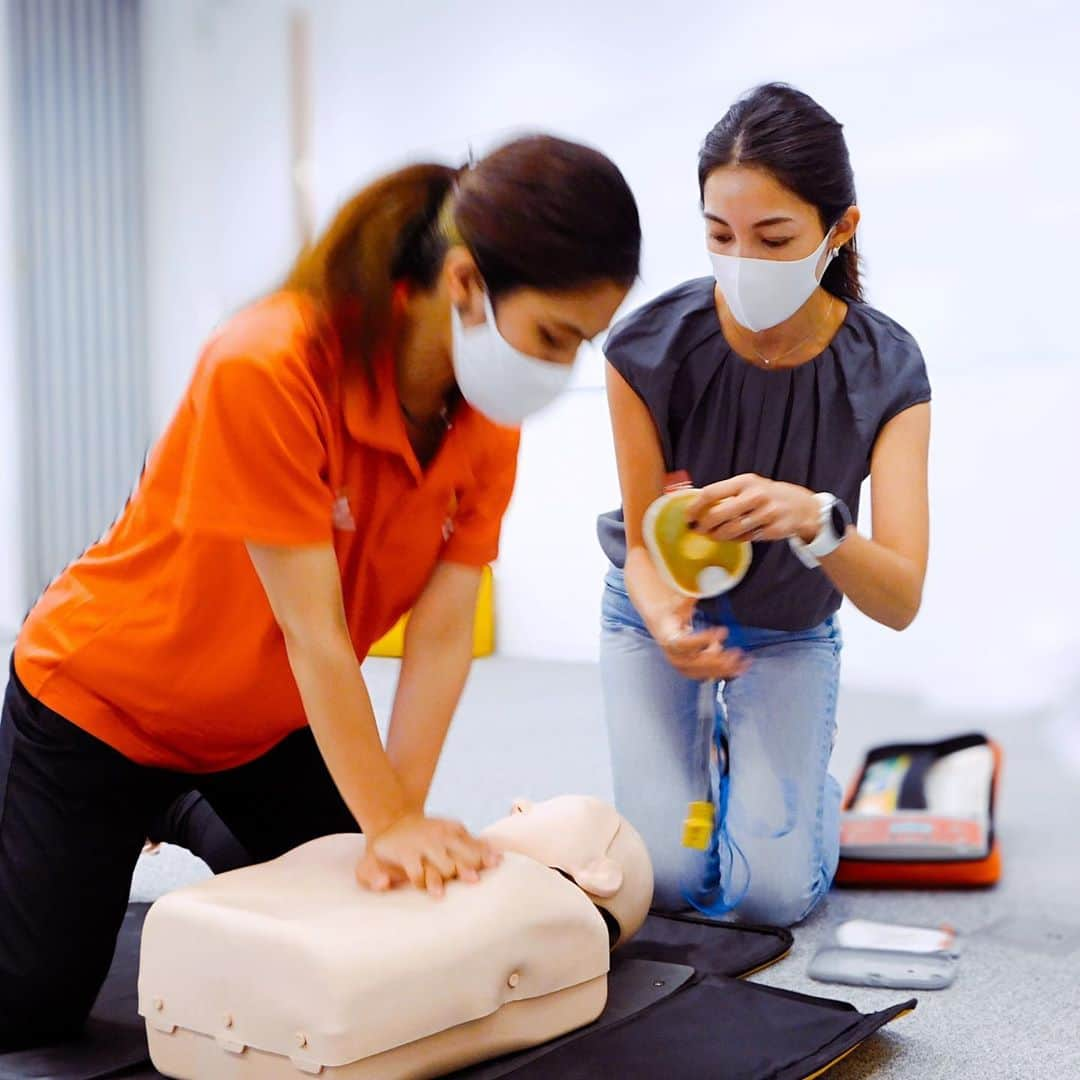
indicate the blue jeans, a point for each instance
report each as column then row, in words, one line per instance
column 777, row 846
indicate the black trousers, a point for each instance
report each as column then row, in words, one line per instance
column 191, row 822
column 74, row 814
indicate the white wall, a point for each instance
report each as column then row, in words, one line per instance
column 219, row 220
column 12, row 597
column 960, row 121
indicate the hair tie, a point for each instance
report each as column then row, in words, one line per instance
column 447, row 224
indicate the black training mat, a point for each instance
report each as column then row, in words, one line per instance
column 718, row 1028
column 710, row 948
column 672, row 1010
column 711, row 1027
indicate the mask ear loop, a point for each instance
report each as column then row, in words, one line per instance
column 831, row 252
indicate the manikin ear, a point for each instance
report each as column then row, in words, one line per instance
column 600, row 876
column 521, row 806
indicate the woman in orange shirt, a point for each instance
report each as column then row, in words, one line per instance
column 345, row 452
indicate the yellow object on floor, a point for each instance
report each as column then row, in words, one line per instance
column 392, row 644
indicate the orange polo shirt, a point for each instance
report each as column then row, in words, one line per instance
column 160, row 640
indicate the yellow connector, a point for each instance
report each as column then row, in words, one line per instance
column 698, row 826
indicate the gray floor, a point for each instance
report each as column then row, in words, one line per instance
column 535, row 729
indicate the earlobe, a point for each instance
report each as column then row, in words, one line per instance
column 849, row 223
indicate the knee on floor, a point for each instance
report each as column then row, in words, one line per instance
column 780, row 899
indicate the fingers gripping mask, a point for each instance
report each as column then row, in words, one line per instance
column 694, row 564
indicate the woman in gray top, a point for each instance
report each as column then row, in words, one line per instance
column 779, row 391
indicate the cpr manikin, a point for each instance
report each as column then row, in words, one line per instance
column 289, row 967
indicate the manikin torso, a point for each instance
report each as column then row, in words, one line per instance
column 291, row 967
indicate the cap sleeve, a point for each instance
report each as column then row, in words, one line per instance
column 256, row 460
column 908, row 383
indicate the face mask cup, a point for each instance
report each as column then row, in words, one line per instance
column 497, row 379
column 762, row 293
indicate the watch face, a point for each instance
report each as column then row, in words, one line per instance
column 841, row 517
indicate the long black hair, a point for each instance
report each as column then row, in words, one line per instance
column 785, row 132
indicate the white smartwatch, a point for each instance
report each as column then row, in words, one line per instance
column 834, row 519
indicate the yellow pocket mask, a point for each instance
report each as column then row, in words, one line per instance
column 694, row 564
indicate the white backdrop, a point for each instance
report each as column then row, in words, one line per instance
column 961, row 120
column 11, row 601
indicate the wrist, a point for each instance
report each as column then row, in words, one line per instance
column 383, row 820
column 650, row 595
column 810, row 524
column 834, row 520
column 661, row 610
column 415, row 798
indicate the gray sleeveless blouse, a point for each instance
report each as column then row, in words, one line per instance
column 719, row 416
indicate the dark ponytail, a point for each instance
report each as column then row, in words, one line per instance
column 539, row 213
column 383, row 234
column 785, row 132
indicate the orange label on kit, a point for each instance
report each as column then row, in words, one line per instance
column 910, row 830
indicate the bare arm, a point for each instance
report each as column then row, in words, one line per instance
column 438, row 655
column 303, row 585
column 884, row 576
column 666, row 613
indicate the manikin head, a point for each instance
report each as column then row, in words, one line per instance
column 593, row 845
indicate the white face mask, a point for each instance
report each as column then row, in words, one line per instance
column 498, row 380
column 764, row 292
